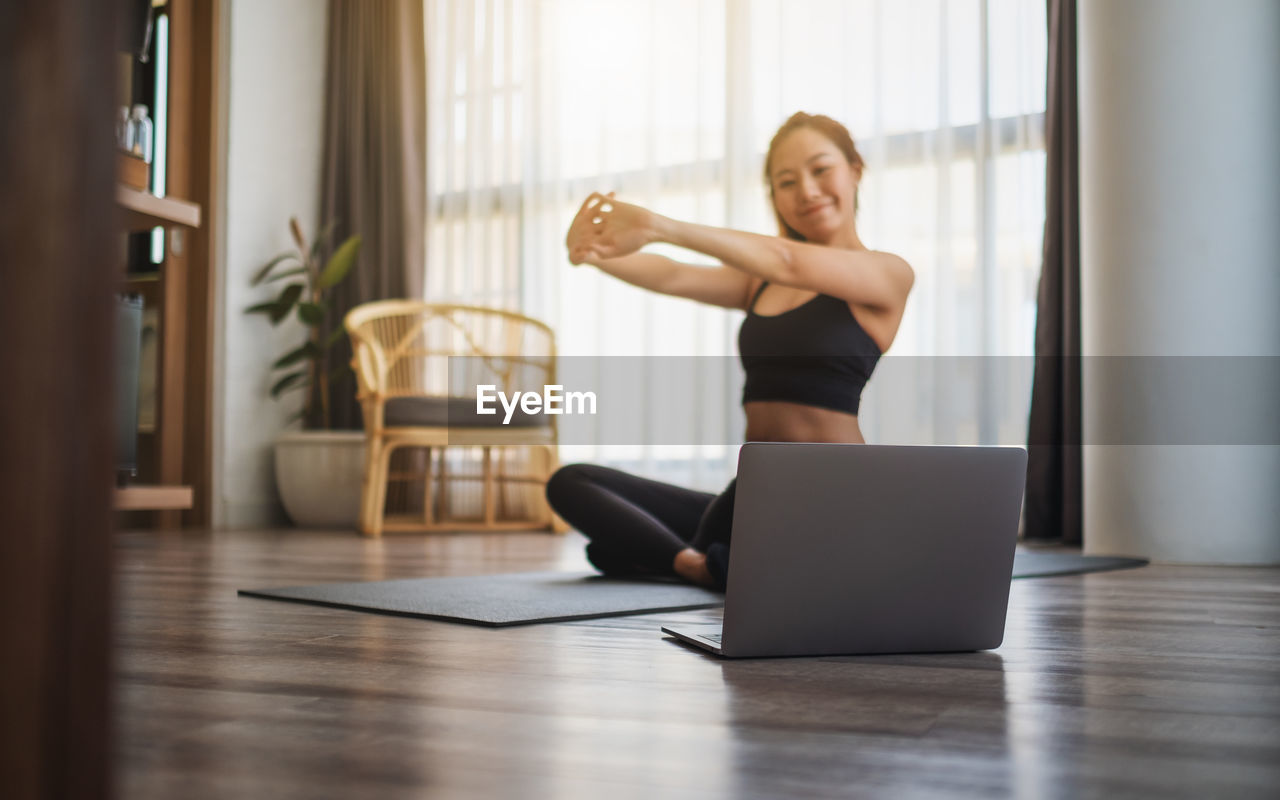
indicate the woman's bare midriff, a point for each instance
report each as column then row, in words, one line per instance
column 780, row 421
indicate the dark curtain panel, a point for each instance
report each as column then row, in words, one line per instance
column 1053, row 502
column 374, row 171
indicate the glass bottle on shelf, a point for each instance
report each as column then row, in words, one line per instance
column 140, row 137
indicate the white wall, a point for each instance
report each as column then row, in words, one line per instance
column 273, row 116
column 1180, row 242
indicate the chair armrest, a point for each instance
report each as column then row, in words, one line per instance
column 369, row 365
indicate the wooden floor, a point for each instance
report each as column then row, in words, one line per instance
column 1159, row 682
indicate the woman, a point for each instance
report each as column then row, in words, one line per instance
column 821, row 309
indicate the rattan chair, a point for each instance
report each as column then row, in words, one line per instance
column 417, row 367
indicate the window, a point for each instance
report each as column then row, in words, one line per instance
column 672, row 103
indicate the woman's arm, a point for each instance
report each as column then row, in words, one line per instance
column 717, row 286
column 863, row 277
column 610, row 229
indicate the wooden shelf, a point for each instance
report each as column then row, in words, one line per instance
column 153, row 498
column 174, row 457
column 144, row 211
column 146, row 284
column 167, row 290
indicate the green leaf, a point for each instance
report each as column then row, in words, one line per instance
column 287, row 274
column 311, row 313
column 290, row 294
column 270, row 265
column 279, row 312
column 261, row 308
column 334, row 337
column 287, row 381
column 340, row 264
column 284, row 303
column 299, row 414
column 293, row 356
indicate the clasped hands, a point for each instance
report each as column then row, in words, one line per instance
column 607, row 228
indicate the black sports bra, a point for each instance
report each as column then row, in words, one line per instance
column 815, row 354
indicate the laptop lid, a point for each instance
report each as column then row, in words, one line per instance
column 843, row 549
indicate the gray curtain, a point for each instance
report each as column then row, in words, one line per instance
column 1054, row 492
column 374, row 169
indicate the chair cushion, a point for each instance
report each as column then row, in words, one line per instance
column 454, row 412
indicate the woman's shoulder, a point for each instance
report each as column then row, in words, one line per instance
column 894, row 262
column 897, row 275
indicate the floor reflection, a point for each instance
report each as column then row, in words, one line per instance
column 882, row 723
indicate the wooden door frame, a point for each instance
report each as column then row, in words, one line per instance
column 194, row 161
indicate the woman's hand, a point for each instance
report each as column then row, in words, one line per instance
column 605, row 228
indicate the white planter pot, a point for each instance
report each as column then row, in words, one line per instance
column 319, row 475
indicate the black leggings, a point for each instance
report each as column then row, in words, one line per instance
column 636, row 526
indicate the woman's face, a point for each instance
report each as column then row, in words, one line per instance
column 814, row 186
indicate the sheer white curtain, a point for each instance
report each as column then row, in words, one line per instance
column 671, row 103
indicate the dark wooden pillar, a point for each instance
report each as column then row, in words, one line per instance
column 60, row 265
column 193, row 163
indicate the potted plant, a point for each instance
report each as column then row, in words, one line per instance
column 318, row 470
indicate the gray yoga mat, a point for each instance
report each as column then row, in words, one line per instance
column 499, row 600
column 528, row 597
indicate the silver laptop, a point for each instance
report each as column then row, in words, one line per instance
column 850, row 549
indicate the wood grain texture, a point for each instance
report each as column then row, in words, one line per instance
column 57, row 251
column 152, row 497
column 1163, row 681
column 143, row 211
column 195, row 152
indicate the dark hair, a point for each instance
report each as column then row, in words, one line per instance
column 828, row 127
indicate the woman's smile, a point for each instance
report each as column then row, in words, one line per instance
column 815, row 208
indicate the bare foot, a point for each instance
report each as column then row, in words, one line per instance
column 692, row 566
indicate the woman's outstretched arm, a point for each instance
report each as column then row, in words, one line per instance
column 717, row 286
column 611, row 229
